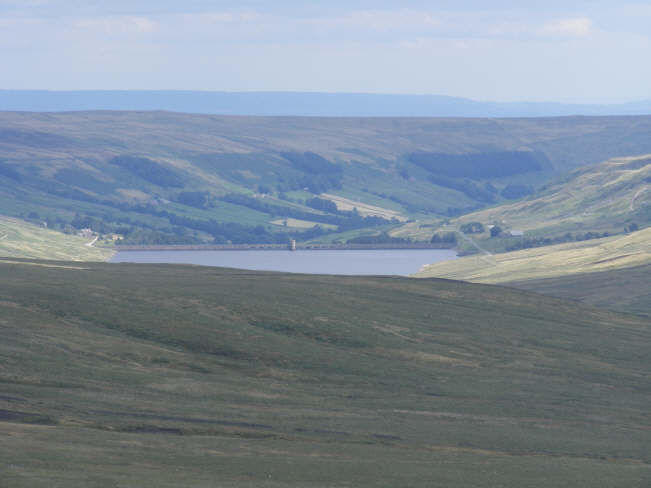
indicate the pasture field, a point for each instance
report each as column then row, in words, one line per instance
column 165, row 375
column 363, row 208
column 300, row 224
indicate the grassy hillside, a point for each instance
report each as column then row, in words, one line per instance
column 608, row 196
column 22, row 239
column 161, row 376
column 159, row 177
column 624, row 289
column 601, row 200
column 633, row 249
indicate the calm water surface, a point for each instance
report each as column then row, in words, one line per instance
column 345, row 262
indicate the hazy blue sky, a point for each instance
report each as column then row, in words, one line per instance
column 489, row 50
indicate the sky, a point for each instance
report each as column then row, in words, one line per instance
column 500, row 50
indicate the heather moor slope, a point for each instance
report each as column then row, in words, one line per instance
column 161, row 376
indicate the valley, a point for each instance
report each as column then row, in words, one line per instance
column 325, row 244
column 130, row 374
column 170, row 178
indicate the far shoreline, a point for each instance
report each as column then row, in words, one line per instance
column 357, row 261
column 280, row 247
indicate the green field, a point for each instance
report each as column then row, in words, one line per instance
column 164, row 376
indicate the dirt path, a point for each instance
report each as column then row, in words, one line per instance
column 90, row 244
column 4, row 237
column 637, row 194
column 486, row 255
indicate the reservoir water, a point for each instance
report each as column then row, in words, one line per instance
column 344, row 262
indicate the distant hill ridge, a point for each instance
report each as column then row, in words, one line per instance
column 300, row 103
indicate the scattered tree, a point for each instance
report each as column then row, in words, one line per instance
column 447, row 238
column 496, row 230
column 472, row 228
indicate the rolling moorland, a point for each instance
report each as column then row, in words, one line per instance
column 161, row 375
column 163, row 178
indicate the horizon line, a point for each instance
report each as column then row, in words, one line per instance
column 334, row 93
